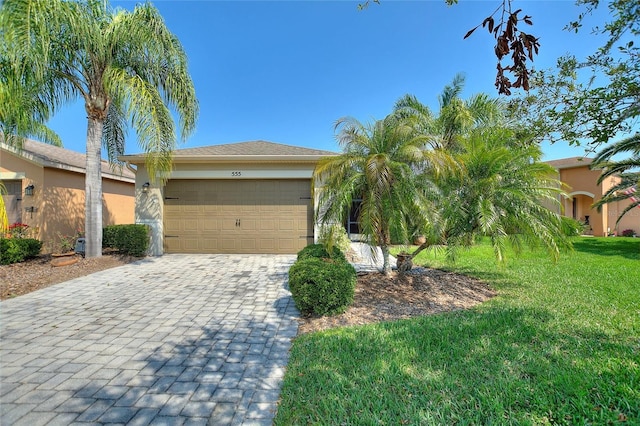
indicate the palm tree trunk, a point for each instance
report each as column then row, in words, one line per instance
column 386, row 266
column 93, row 190
column 419, row 249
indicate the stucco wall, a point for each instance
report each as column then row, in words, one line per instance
column 631, row 220
column 584, row 192
column 58, row 199
column 63, row 207
column 15, row 167
column 584, row 189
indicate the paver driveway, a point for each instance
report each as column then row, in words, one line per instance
column 179, row 339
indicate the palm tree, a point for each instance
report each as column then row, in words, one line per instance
column 497, row 185
column 455, row 117
column 501, row 193
column 126, row 66
column 23, row 107
column 376, row 166
column 626, row 169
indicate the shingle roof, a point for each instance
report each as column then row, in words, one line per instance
column 56, row 157
column 567, row 163
column 241, row 152
column 252, row 148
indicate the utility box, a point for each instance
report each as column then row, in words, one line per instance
column 80, row 246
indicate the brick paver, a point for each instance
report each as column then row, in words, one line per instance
column 179, row 339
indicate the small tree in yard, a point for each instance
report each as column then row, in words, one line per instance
column 496, row 184
column 500, row 193
column 376, row 166
column 126, row 66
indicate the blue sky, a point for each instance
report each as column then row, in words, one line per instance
column 285, row 71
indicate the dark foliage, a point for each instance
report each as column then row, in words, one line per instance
column 128, row 239
column 322, row 286
column 319, row 251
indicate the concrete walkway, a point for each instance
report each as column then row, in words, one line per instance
column 179, row 339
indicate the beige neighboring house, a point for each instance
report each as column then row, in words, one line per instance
column 46, row 187
column 247, row 197
column 583, row 191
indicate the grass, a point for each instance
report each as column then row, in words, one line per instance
column 559, row 345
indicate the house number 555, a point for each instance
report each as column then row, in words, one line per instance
column 236, row 173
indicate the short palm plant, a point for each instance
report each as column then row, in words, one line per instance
column 378, row 165
column 503, row 193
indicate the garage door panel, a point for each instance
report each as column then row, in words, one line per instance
column 248, row 244
column 229, row 224
column 267, row 209
column 210, row 245
column 228, row 245
column 286, row 244
column 211, row 224
column 191, row 225
column 221, row 216
column 267, row 245
column 248, row 225
column 267, row 225
column 286, row 225
column 191, row 244
column 172, row 245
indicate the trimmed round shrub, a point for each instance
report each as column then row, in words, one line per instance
column 322, row 286
column 319, row 251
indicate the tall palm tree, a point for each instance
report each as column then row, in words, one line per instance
column 126, row 66
column 377, row 166
column 626, row 169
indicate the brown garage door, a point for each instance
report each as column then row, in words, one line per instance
column 237, row 216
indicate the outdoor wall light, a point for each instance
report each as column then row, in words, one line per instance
column 145, row 187
column 29, row 190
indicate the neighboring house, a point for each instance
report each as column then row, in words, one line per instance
column 46, row 187
column 583, row 191
column 247, row 197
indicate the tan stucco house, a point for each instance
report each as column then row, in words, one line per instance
column 583, row 191
column 46, row 187
column 247, row 197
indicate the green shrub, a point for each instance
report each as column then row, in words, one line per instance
column 335, row 236
column 14, row 250
column 109, row 236
column 319, row 251
column 322, row 286
column 32, row 247
column 127, row 239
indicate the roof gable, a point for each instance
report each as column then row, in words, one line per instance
column 47, row 155
column 571, row 162
column 242, row 152
column 251, row 148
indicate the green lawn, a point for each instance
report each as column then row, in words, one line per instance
column 559, row 345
